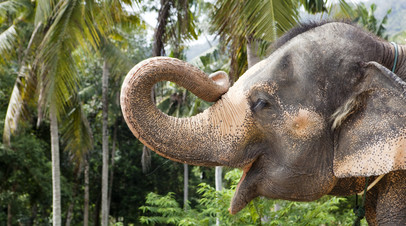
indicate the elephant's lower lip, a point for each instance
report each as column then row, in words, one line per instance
column 235, row 208
column 247, row 167
column 245, row 170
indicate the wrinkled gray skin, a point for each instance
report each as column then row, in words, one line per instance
column 316, row 117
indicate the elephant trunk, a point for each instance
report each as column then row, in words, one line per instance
column 209, row 138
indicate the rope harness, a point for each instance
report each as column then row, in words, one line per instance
column 396, row 56
column 359, row 211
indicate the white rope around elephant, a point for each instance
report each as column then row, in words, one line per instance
column 372, row 184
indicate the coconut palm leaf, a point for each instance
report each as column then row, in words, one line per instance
column 12, row 7
column 57, row 67
column 76, row 133
column 8, row 39
column 264, row 19
column 24, row 89
column 345, row 8
column 44, row 11
column 14, row 14
column 260, row 19
column 118, row 61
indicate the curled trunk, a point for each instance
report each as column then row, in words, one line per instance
column 209, row 138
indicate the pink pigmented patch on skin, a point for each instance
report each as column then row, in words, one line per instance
column 304, row 123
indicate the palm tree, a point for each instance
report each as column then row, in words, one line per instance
column 58, row 79
column 105, row 144
column 60, row 27
column 113, row 61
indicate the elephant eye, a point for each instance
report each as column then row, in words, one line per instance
column 258, row 105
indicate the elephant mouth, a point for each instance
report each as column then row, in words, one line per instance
column 253, row 184
column 245, row 191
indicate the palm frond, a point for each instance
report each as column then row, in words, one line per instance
column 7, row 7
column 58, row 74
column 23, row 91
column 346, row 9
column 119, row 62
column 8, row 40
column 61, row 89
column 260, row 19
column 76, row 132
column 265, row 19
column 44, row 11
column 13, row 113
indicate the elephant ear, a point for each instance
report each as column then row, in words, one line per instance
column 370, row 127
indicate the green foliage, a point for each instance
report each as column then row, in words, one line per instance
column 168, row 210
column 25, row 179
column 366, row 17
column 214, row 204
column 399, row 38
column 396, row 22
column 212, row 60
column 314, row 6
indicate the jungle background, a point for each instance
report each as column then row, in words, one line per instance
column 67, row 156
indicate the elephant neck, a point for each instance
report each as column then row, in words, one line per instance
column 400, row 68
column 395, row 59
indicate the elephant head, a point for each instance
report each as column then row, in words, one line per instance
column 322, row 106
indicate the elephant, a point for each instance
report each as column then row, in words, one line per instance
column 317, row 117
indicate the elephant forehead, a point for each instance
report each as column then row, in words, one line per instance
column 303, row 123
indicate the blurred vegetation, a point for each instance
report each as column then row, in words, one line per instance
column 366, row 17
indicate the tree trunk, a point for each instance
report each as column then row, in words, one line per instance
column 113, row 153
column 105, row 144
column 218, row 184
column 185, row 186
column 56, row 184
column 9, row 215
column 69, row 215
column 34, row 211
column 86, row 199
column 163, row 14
column 96, row 216
column 252, row 51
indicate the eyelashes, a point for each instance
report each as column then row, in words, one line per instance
column 259, row 104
